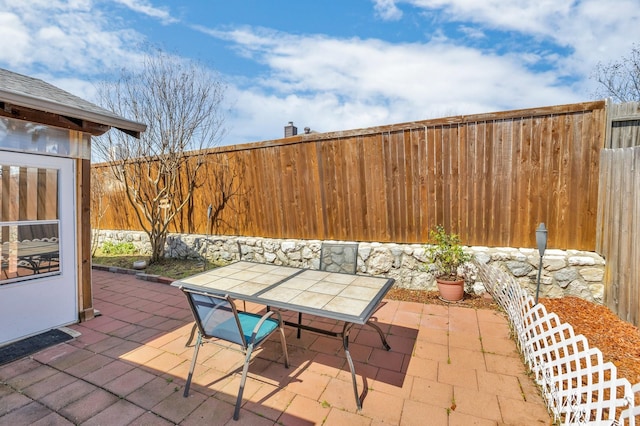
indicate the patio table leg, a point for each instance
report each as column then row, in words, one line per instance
column 345, row 343
column 379, row 330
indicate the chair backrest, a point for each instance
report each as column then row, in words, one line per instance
column 339, row 257
column 216, row 316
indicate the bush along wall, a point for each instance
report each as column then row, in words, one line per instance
column 564, row 273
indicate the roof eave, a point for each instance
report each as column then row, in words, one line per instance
column 129, row 127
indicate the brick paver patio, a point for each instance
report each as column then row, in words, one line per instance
column 447, row 366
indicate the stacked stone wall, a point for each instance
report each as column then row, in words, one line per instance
column 564, row 273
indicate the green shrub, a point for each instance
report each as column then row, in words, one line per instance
column 446, row 253
column 118, row 248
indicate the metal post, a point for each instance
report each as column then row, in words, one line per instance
column 541, row 240
column 206, row 242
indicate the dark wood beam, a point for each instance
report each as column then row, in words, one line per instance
column 56, row 120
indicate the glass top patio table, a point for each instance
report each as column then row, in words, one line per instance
column 37, row 254
column 345, row 297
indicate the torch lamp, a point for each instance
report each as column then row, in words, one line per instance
column 541, row 240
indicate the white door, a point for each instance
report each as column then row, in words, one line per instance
column 38, row 284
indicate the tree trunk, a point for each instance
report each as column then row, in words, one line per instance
column 158, row 240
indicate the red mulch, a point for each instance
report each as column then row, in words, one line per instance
column 618, row 340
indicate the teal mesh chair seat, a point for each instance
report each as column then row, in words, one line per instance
column 217, row 318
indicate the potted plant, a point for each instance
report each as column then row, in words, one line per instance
column 446, row 256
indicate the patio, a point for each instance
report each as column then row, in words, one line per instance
column 447, row 366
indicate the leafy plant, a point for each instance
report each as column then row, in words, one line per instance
column 111, row 248
column 445, row 253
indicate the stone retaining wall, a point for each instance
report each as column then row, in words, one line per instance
column 564, row 273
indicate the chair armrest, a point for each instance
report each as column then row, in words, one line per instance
column 266, row 316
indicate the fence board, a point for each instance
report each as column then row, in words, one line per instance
column 507, row 145
column 423, row 179
column 562, row 132
column 496, row 179
column 521, row 166
column 481, row 183
column 396, row 194
column 457, row 206
column 461, row 177
column 413, row 212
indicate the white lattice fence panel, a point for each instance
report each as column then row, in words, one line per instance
column 633, row 411
column 509, row 295
column 578, row 387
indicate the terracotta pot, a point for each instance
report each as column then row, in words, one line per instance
column 451, row 291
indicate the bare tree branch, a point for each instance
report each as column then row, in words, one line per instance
column 181, row 103
column 620, row 79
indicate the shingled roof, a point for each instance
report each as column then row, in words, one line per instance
column 20, row 90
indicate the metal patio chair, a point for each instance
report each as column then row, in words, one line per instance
column 217, row 318
column 336, row 257
column 339, row 257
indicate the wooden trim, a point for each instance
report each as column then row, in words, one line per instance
column 83, row 203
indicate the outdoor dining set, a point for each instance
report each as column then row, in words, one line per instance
column 343, row 296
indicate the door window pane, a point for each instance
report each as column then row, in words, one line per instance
column 29, row 223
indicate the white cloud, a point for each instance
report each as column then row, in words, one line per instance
column 72, row 44
column 592, row 29
column 263, row 116
column 53, row 38
column 12, row 28
column 387, row 10
column 82, row 88
column 529, row 16
column 144, row 7
column 335, row 84
column 472, row 32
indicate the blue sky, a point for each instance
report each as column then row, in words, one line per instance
column 335, row 64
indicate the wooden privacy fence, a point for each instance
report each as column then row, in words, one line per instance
column 618, row 225
column 489, row 177
column 619, row 230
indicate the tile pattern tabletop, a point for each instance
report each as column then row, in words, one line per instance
column 342, row 296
